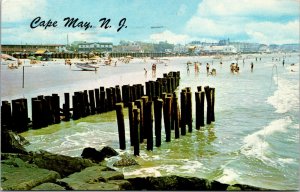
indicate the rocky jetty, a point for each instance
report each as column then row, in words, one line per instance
column 22, row 170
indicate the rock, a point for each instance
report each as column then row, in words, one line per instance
column 173, row 182
column 12, row 143
column 125, row 160
column 94, row 178
column 48, row 187
column 92, row 154
column 185, row 183
column 108, row 152
column 24, row 178
column 123, row 184
column 248, row 188
column 17, row 162
column 64, row 165
column 98, row 156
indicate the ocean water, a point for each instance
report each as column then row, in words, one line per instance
column 253, row 141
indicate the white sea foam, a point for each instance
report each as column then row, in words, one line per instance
column 229, row 176
column 286, row 97
column 255, row 144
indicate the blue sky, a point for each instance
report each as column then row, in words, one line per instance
column 267, row 21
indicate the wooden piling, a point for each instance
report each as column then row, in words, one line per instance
column 136, row 131
column 213, row 104
column 121, row 125
column 87, row 109
column 198, row 109
column 118, row 94
column 189, row 119
column 56, row 108
column 202, row 98
column 183, row 111
column 92, row 102
column 158, row 104
column 66, row 107
column 149, row 129
column 145, row 99
column 6, row 116
column 36, row 113
column 208, row 108
column 125, row 94
column 139, row 105
column 167, row 118
column 102, row 102
column 97, row 100
column 131, row 122
column 114, row 97
column 76, row 109
column 109, row 99
column 175, row 116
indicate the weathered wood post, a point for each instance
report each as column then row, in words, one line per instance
column 149, row 117
column 198, row 109
column 56, row 108
column 139, row 104
column 6, row 116
column 114, row 97
column 86, row 103
column 109, row 99
column 66, row 107
column 167, row 118
column 213, row 104
column 92, row 102
column 125, row 94
column 103, row 104
column 121, row 125
column 76, row 108
column 97, row 99
column 145, row 100
column 183, row 111
column 18, row 116
column 158, row 104
column 36, row 113
column 131, row 122
column 176, row 115
column 118, row 94
column 136, row 132
column 202, row 98
column 208, row 100
column 189, row 119
column 158, row 88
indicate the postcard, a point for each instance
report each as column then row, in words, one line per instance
column 149, row 95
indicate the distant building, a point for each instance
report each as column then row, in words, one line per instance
column 129, row 47
column 226, row 49
column 95, row 47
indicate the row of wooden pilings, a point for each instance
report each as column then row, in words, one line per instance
column 176, row 119
column 46, row 110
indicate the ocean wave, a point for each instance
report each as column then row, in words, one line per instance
column 255, row 144
column 286, row 97
column 229, row 176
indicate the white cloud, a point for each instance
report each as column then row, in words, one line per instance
column 17, row 10
column 169, row 37
column 268, row 32
column 248, row 7
column 255, row 20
